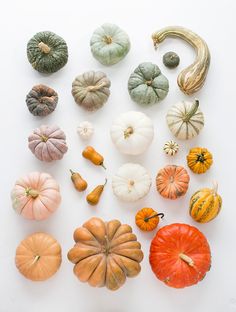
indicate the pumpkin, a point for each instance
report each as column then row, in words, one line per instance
column 147, row 85
column 147, row 219
column 180, row 255
column 38, row 256
column 105, row 253
column 199, row 159
column 48, row 143
column 36, row 196
column 171, row 60
column 47, row 52
column 171, row 148
column 41, row 100
column 192, row 78
column 79, row 183
column 109, row 44
column 172, row 181
column 92, row 155
column 205, row 204
column 131, row 182
column 91, row 90
column 94, row 196
column 185, row 119
column 132, row 132
column 85, row 130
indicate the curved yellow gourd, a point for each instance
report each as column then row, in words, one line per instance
column 192, row 78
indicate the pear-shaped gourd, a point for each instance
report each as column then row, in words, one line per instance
column 94, row 197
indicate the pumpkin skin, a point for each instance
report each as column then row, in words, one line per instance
column 199, row 159
column 147, row 85
column 172, row 181
column 36, row 196
column 47, row 52
column 109, row 44
column 48, row 143
column 38, row 257
column 147, row 219
column 105, row 253
column 180, row 255
column 41, row 100
column 91, row 90
column 205, row 204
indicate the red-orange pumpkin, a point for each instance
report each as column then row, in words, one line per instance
column 180, row 255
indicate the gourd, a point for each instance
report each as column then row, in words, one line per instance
column 199, row 159
column 36, row 196
column 180, row 255
column 79, row 183
column 147, row 85
column 105, row 253
column 147, row 219
column 185, row 119
column 48, row 143
column 131, row 182
column 47, row 52
column 41, row 100
column 85, row 130
column 38, row 256
column 172, row 181
column 192, row 78
column 171, row 59
column 91, row 90
column 205, row 204
column 109, row 44
column 92, row 155
column 94, row 196
column 171, row 148
column 132, row 132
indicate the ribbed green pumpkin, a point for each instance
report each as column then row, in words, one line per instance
column 47, row 52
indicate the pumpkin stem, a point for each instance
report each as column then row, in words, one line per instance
column 103, row 166
column 155, row 42
column 105, row 182
column 44, row 138
column 148, row 82
column 108, row 39
column 72, row 172
column 96, row 87
column 215, row 187
column 44, row 47
column 36, row 258
column 128, row 132
column 155, row 215
column 192, row 111
column 186, row 259
column 31, row 192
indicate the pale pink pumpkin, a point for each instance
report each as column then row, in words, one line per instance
column 48, row 143
column 36, row 196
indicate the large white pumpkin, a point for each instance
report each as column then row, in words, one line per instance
column 132, row 133
column 131, row 182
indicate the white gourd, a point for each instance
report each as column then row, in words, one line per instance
column 85, row 130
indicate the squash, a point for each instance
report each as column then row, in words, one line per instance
column 131, row 182
column 47, row 52
column 36, row 196
column 171, row 148
column 79, row 183
column 199, row 159
column 92, row 155
column 48, row 143
column 192, row 78
column 172, row 181
column 132, row 133
column 205, row 204
column 180, row 255
column 38, row 256
column 41, row 100
column 91, row 90
column 94, row 196
column 109, row 44
column 185, row 119
column 171, row 60
column 105, row 253
column 85, row 130
column 147, row 85
column 147, row 219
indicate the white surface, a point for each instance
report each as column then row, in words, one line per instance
column 75, row 22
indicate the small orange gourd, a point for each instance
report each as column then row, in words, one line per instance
column 147, row 219
column 79, row 183
column 94, row 197
column 199, row 159
column 91, row 154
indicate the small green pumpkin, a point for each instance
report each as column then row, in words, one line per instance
column 47, row 52
column 147, row 85
column 109, row 44
column 171, row 59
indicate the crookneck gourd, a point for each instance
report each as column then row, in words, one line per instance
column 192, row 78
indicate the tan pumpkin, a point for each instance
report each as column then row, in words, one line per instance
column 105, row 253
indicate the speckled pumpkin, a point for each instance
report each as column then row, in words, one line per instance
column 147, row 85
column 91, row 90
column 109, row 44
column 47, row 52
column 41, row 100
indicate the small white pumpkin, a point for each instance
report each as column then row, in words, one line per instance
column 132, row 133
column 131, row 182
column 171, row 148
column 185, row 119
column 85, row 130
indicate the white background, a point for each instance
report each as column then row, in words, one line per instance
column 75, row 22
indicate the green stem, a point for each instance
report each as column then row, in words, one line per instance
column 31, row 192
column 156, row 215
column 192, row 111
column 102, row 164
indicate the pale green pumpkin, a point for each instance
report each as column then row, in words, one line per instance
column 147, row 85
column 109, row 44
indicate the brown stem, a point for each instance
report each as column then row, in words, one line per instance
column 96, row 87
column 72, row 172
column 148, row 82
column 155, row 215
column 44, row 138
column 187, row 259
column 108, row 39
column 36, row 258
column 128, row 132
column 103, row 166
column 192, row 111
column 215, row 187
column 44, row 47
column 105, row 182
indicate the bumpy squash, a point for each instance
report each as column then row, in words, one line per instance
column 199, row 159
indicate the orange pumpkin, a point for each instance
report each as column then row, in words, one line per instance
column 199, row 159
column 172, row 181
column 147, row 219
column 180, row 255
